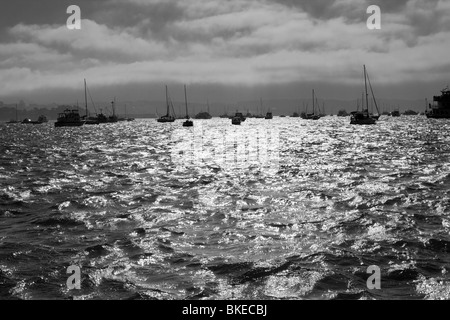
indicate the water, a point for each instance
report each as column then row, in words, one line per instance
column 272, row 209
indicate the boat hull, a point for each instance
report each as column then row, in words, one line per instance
column 68, row 124
column 363, row 121
column 165, row 120
column 438, row 116
column 236, row 121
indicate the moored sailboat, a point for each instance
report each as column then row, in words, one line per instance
column 188, row 122
column 16, row 120
column 313, row 115
column 363, row 117
column 168, row 117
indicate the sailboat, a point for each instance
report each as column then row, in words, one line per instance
column 376, row 117
column 296, row 114
column 259, row 114
column 269, row 114
column 99, row 118
column 89, row 120
column 114, row 118
column 168, row 117
column 363, row 117
column 126, row 115
column 313, row 115
column 14, row 121
column 188, row 122
column 225, row 115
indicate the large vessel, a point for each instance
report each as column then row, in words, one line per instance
column 69, row 118
column 441, row 110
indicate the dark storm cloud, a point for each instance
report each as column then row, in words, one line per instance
column 232, row 42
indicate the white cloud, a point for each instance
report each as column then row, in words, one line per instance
column 230, row 42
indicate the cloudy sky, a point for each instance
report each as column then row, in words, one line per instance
column 224, row 50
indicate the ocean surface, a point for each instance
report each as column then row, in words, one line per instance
column 272, row 209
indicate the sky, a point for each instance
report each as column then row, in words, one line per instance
column 223, row 50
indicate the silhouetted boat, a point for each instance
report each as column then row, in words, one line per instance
column 410, row 113
column 126, row 115
column 313, row 115
column 367, row 80
column 224, row 116
column 442, row 109
column 16, row 120
column 269, row 114
column 361, row 117
column 395, row 113
column 40, row 120
column 240, row 116
column 364, row 117
column 92, row 120
column 113, row 118
column 188, row 122
column 203, row 115
column 69, row 118
column 342, row 113
column 236, row 120
column 168, row 117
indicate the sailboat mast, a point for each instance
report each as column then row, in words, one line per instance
column 16, row 113
column 362, row 101
column 367, row 94
column 167, row 101
column 313, row 100
column 85, row 97
column 185, row 99
column 373, row 95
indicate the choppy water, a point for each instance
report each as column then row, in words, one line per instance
column 281, row 209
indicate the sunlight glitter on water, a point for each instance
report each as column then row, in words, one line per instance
column 281, row 209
